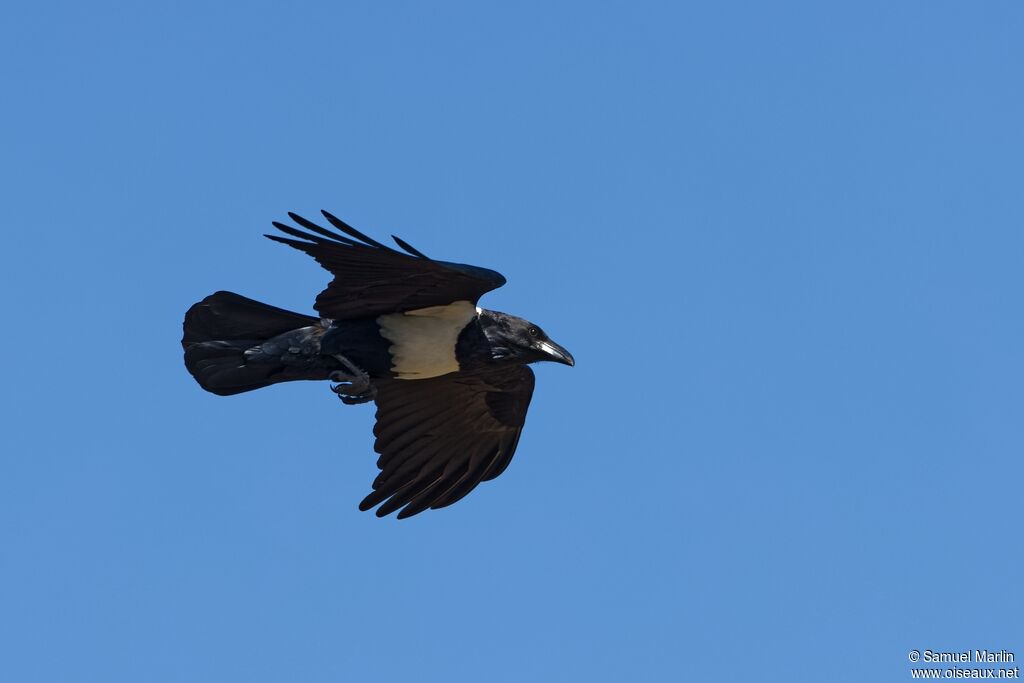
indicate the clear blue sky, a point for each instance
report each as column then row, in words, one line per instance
column 783, row 241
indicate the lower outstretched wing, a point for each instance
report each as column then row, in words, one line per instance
column 438, row 438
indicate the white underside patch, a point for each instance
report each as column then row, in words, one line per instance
column 423, row 340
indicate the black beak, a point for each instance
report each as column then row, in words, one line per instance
column 556, row 353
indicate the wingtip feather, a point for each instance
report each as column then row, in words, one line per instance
column 408, row 247
column 349, row 230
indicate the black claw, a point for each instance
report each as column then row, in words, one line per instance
column 354, row 386
column 352, row 394
column 355, row 399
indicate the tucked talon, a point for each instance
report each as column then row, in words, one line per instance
column 350, row 397
column 339, row 376
column 348, row 384
column 354, row 386
column 356, row 400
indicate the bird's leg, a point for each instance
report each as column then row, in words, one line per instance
column 354, row 385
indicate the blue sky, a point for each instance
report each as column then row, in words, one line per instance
column 783, row 241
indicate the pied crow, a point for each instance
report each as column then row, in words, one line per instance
column 450, row 379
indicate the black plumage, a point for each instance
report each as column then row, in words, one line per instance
column 371, row 278
column 450, row 379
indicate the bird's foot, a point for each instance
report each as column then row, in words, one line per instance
column 353, row 385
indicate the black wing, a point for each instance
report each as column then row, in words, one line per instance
column 438, row 438
column 371, row 279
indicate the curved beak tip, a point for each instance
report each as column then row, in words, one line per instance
column 558, row 354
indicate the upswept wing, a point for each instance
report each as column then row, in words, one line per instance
column 372, row 279
column 438, row 438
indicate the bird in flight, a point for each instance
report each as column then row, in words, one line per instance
column 450, row 379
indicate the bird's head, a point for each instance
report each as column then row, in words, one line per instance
column 513, row 338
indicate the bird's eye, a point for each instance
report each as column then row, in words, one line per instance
column 534, row 332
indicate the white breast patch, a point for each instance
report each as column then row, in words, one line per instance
column 423, row 340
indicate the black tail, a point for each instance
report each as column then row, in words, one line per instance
column 224, row 344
